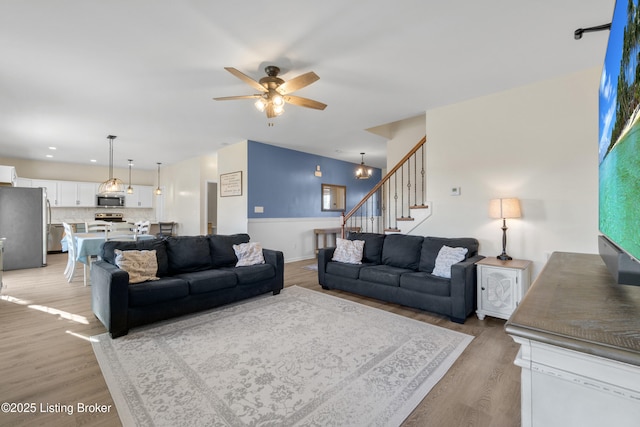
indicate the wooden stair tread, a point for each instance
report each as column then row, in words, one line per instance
column 406, row 218
column 419, row 207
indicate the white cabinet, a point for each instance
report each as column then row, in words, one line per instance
column 8, row 175
column 77, row 194
column 142, row 197
column 24, row 182
column 501, row 286
column 51, row 187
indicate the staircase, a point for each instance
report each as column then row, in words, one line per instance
column 397, row 203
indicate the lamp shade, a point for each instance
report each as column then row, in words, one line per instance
column 505, row 208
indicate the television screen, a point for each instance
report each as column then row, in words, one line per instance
column 619, row 142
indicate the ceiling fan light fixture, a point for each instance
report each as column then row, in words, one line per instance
column 261, row 104
column 277, row 100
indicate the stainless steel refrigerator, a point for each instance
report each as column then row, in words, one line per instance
column 24, row 218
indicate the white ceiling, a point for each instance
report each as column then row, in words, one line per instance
column 74, row 71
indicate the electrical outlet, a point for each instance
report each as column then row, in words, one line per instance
column 455, row 191
column 258, row 209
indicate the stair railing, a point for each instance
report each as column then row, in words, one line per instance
column 390, row 199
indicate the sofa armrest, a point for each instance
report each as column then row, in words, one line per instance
column 463, row 288
column 275, row 258
column 324, row 256
column 110, row 297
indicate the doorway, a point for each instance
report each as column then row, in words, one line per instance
column 212, row 207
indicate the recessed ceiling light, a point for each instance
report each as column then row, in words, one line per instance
column 49, row 156
column 52, row 148
column 93, row 160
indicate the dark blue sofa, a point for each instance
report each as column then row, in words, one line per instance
column 397, row 268
column 196, row 273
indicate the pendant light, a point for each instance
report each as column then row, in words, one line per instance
column 130, row 188
column 363, row 172
column 158, row 190
column 112, row 186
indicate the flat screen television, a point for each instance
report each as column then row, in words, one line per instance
column 619, row 146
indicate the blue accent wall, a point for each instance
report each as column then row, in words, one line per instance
column 282, row 181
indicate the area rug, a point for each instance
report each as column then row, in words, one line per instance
column 313, row 267
column 301, row 358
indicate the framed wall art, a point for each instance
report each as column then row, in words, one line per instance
column 231, row 184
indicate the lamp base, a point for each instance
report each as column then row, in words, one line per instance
column 504, row 257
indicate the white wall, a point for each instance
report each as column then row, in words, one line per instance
column 232, row 211
column 537, row 143
column 293, row 236
column 404, row 137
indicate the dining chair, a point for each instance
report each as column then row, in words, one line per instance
column 72, row 251
column 166, row 229
column 121, row 231
column 96, row 226
column 143, row 227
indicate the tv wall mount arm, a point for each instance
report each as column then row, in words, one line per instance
column 577, row 34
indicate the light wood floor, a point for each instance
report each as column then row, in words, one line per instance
column 46, row 356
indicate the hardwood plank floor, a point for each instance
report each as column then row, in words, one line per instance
column 46, row 356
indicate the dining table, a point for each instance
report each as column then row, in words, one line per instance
column 89, row 245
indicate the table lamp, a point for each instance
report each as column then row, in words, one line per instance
column 504, row 208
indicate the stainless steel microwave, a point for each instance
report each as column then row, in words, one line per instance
column 109, row 201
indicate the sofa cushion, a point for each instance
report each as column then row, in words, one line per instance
column 402, row 251
column 208, row 280
column 383, row 274
column 253, row 273
column 221, row 248
column 447, row 256
column 372, row 252
column 431, row 246
column 158, row 245
column 150, row 293
column 351, row 271
column 348, row 251
column 141, row 265
column 248, row 254
column 426, row 283
column 187, row 254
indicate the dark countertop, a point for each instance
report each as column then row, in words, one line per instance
column 574, row 303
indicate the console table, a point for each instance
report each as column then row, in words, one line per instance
column 579, row 334
column 317, row 232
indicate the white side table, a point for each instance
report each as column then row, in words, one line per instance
column 501, row 286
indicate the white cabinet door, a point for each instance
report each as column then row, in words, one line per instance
column 498, row 291
column 142, row 197
column 87, row 194
column 51, row 187
column 145, row 196
column 67, row 194
column 77, row 194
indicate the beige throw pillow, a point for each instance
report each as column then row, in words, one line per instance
column 141, row 265
column 348, row 251
column 446, row 258
column 248, row 254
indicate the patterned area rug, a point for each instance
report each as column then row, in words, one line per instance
column 301, row 358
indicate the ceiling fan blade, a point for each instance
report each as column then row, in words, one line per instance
column 304, row 102
column 228, row 98
column 248, row 80
column 297, row 83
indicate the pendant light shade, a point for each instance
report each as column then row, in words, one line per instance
column 112, row 186
column 158, row 189
column 130, row 188
column 363, row 172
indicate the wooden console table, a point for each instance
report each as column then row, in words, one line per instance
column 317, row 232
column 579, row 334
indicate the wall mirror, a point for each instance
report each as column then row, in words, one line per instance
column 334, row 197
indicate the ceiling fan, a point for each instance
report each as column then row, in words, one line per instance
column 274, row 92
